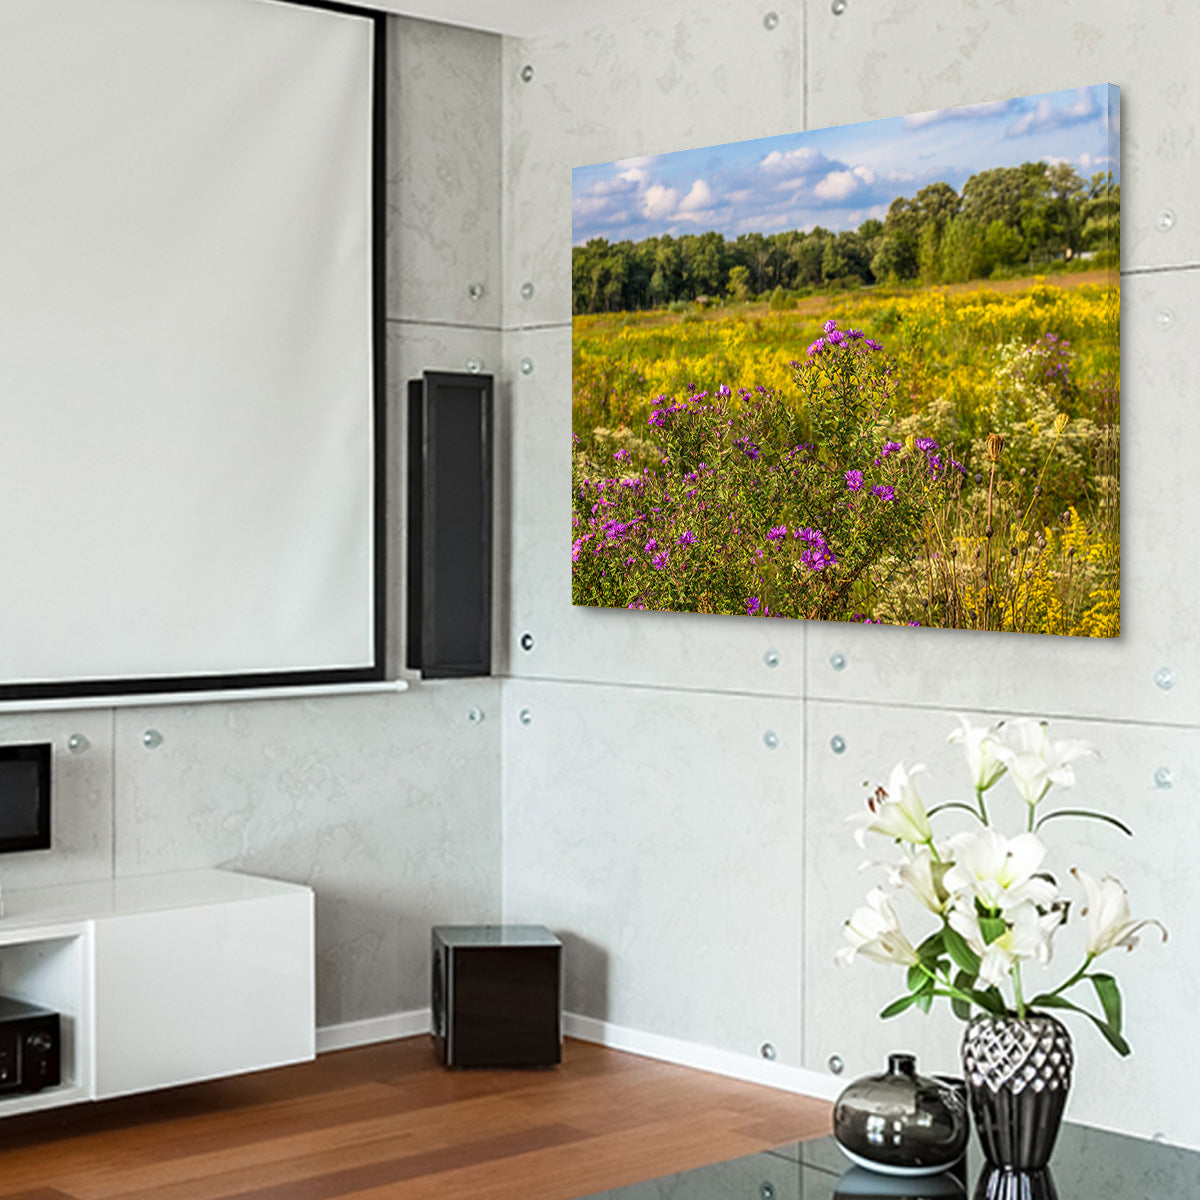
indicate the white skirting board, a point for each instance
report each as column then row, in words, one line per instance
column 798, row 1080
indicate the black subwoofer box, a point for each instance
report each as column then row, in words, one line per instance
column 496, row 996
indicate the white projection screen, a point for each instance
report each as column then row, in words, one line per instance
column 191, row 346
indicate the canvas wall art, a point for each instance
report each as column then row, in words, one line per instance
column 868, row 373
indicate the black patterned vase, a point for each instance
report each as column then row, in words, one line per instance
column 1018, row 1073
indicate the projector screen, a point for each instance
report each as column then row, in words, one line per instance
column 191, row 341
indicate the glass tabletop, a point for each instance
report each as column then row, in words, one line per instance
column 1088, row 1164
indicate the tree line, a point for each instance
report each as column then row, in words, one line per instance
column 1004, row 218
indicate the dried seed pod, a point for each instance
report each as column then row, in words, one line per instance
column 987, row 532
column 1037, row 489
column 1013, row 551
column 1061, row 422
column 994, row 446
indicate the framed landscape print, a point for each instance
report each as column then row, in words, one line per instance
column 868, row 373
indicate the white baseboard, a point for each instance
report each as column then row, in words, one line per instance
column 799, row 1080
column 375, row 1029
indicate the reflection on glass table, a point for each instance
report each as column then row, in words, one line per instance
column 1088, row 1164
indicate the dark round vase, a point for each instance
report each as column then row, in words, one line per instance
column 902, row 1121
column 1018, row 1073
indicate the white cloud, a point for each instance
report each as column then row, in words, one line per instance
column 965, row 112
column 837, row 185
column 865, row 174
column 1045, row 116
column 659, row 202
column 790, row 160
column 699, row 197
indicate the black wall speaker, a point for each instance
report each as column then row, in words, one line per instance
column 450, row 525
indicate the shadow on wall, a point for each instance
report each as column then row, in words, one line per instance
column 586, row 969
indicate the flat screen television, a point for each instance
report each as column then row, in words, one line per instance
column 25, row 797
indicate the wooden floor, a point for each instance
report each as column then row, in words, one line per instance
column 386, row 1123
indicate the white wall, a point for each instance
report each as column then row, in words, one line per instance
column 388, row 805
column 699, row 877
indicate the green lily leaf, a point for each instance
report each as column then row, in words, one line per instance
column 992, row 928
column 1111, row 1035
column 962, row 954
column 898, row 1006
column 1083, row 812
column 1109, row 995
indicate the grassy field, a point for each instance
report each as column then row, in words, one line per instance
column 944, row 456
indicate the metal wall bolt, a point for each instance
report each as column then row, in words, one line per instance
column 527, row 642
column 838, row 7
column 475, row 715
column 1164, row 778
column 837, row 660
column 1165, row 221
column 526, row 73
column 771, row 21
column 767, row 1050
column 152, row 739
column 474, row 366
column 1164, row 678
column 527, row 366
column 836, row 1065
column 77, row 743
column 1164, row 318
column 475, row 291
column 527, row 290
column 525, row 717
column 771, row 739
column 837, row 744
column 772, row 658
column 767, row 1191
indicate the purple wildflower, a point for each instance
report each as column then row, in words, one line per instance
column 686, row 538
column 724, row 391
column 621, row 455
column 651, row 545
column 817, row 558
column 817, row 347
column 752, row 605
column 777, row 533
column 638, row 603
column 884, row 491
column 811, row 537
column 926, row 444
column 835, row 338
column 854, row 481
column 872, row 344
column 660, row 560
column 830, row 326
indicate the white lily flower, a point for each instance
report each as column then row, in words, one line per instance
column 896, row 812
column 874, row 930
column 1000, row 872
column 922, row 875
column 979, row 743
column 1034, row 760
column 1029, row 934
column 1108, row 921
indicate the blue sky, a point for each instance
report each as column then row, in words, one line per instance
column 839, row 177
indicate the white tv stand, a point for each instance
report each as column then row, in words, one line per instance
column 162, row 979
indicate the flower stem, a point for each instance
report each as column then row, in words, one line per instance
column 982, row 807
column 1017, row 993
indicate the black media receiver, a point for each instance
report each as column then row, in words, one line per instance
column 25, row 797
column 29, row 1047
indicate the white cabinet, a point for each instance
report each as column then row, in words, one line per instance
column 163, row 980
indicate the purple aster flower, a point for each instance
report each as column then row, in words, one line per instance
column 891, row 448
column 817, row 558
column 656, row 418
column 651, row 545
column 926, row 444
column 829, row 326
column 817, row 347
column 777, row 533
column 724, row 391
column 884, row 491
column 621, row 455
column 854, row 481
column 872, row 344
column 686, row 538
column 660, row 560
column 752, row 605
column 811, row 537
column 835, row 338
column 638, row 603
